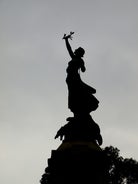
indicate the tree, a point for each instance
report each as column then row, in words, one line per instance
column 120, row 170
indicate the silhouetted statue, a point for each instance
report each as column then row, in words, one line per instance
column 81, row 102
column 80, row 95
column 79, row 158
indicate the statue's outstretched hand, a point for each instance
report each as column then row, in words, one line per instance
column 68, row 36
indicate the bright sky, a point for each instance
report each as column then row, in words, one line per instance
column 33, row 60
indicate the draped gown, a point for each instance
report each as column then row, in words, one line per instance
column 80, row 95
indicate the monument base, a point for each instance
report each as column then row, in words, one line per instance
column 76, row 163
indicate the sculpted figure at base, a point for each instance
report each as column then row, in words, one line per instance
column 82, row 128
column 80, row 95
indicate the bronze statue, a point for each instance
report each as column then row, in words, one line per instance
column 79, row 158
column 81, row 101
column 80, row 95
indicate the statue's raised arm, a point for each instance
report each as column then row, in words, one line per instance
column 66, row 38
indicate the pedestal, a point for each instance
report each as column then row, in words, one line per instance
column 76, row 163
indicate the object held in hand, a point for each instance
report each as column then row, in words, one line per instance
column 68, row 36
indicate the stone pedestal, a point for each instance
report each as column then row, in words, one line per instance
column 76, row 163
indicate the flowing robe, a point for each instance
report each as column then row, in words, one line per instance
column 80, row 95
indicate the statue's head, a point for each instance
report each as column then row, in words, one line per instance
column 79, row 52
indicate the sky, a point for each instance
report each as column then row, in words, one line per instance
column 33, row 92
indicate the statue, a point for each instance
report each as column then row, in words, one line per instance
column 79, row 158
column 80, row 95
column 81, row 101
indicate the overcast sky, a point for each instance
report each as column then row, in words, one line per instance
column 33, row 92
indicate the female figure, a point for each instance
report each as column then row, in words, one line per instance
column 80, row 97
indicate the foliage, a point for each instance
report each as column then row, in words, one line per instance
column 120, row 170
